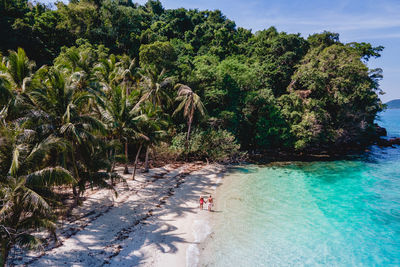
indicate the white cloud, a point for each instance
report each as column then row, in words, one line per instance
column 339, row 23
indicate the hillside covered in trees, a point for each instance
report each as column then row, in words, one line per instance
column 270, row 89
column 91, row 83
column 393, row 104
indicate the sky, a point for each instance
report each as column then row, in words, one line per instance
column 373, row 21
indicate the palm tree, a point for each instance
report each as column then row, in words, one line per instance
column 152, row 127
column 17, row 70
column 24, row 181
column 116, row 112
column 190, row 102
column 15, row 77
column 78, row 63
column 153, row 87
column 129, row 73
column 5, row 85
column 149, row 130
column 107, row 70
column 61, row 105
column 108, row 73
column 5, row 92
column 141, row 139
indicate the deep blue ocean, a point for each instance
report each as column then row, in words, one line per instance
column 335, row 213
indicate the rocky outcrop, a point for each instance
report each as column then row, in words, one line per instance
column 380, row 131
column 388, row 142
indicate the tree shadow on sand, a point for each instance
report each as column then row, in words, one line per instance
column 118, row 236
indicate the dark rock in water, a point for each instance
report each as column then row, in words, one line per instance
column 388, row 142
column 380, row 131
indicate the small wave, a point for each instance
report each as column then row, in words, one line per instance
column 217, row 182
column 201, row 229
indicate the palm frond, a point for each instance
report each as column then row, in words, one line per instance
column 15, row 163
column 179, row 108
column 27, row 241
column 49, row 177
column 5, row 91
column 33, row 201
column 40, row 150
column 36, row 222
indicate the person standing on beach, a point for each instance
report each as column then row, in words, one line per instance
column 210, row 203
column 201, row 202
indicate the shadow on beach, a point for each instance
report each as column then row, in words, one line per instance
column 138, row 220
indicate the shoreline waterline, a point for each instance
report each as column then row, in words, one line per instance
column 337, row 213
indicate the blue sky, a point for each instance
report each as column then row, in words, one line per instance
column 377, row 22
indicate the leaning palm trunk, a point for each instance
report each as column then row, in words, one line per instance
column 126, row 171
column 76, row 194
column 5, row 249
column 136, row 161
column 190, row 120
column 112, row 156
column 188, row 132
column 146, row 162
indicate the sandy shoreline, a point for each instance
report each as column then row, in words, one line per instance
column 154, row 221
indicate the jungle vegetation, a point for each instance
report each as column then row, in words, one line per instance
column 93, row 83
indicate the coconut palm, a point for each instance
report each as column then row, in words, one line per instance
column 15, row 77
column 24, row 182
column 152, row 127
column 149, row 130
column 17, row 70
column 5, row 85
column 154, row 86
column 108, row 73
column 116, row 112
column 129, row 73
column 140, row 140
column 61, row 105
column 5, row 92
column 190, row 102
column 78, row 63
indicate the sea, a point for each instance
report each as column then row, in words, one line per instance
column 332, row 213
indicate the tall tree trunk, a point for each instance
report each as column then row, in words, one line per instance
column 74, row 191
column 112, row 155
column 146, row 162
column 5, row 249
column 188, row 132
column 187, row 137
column 76, row 194
column 126, row 171
column 136, row 161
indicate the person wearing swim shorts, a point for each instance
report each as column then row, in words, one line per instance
column 210, row 203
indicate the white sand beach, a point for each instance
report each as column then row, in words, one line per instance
column 154, row 221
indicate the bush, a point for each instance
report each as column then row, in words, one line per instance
column 214, row 145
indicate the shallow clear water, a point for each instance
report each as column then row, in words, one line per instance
column 338, row 213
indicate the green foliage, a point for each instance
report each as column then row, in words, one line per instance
column 333, row 99
column 71, row 120
column 264, row 126
column 157, row 56
column 247, row 82
column 277, row 55
column 24, row 182
column 323, row 40
column 366, row 50
column 214, row 145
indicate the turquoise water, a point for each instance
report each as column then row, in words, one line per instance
column 338, row 213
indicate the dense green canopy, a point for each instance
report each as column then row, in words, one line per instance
column 270, row 89
column 112, row 77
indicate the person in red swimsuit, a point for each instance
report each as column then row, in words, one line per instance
column 201, row 202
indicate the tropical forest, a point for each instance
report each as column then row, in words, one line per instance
column 89, row 85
